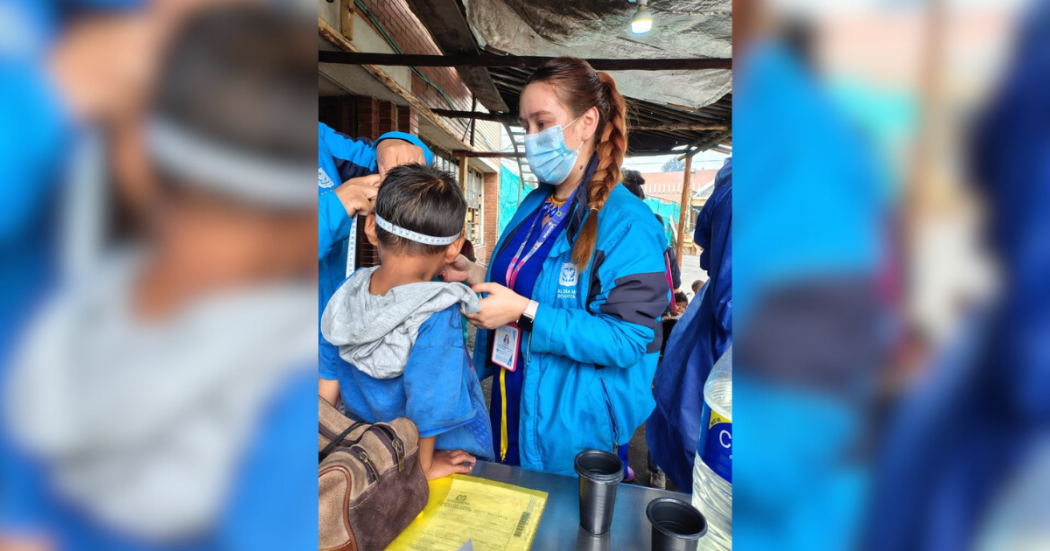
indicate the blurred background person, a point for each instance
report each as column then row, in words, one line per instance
column 809, row 336
column 699, row 337
column 966, row 446
column 158, row 400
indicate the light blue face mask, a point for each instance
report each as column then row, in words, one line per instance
column 549, row 158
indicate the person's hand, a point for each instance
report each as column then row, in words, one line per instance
column 103, row 67
column 392, row 152
column 358, row 195
column 501, row 307
column 463, row 270
column 446, row 462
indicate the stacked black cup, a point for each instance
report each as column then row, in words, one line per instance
column 600, row 474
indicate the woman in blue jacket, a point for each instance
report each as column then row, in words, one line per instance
column 576, row 285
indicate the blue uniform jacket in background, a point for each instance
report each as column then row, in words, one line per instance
column 808, row 210
column 699, row 338
column 340, row 158
column 590, row 359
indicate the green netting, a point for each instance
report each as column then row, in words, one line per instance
column 509, row 199
column 511, row 192
column 668, row 210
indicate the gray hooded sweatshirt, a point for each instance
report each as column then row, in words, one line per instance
column 376, row 333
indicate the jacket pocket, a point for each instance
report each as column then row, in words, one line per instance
column 612, row 417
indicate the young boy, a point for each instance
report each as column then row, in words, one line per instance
column 395, row 337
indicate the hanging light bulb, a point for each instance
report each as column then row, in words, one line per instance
column 642, row 22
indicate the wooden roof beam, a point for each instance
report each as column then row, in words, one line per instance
column 449, row 29
column 362, row 58
column 644, row 127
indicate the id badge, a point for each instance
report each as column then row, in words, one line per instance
column 505, row 347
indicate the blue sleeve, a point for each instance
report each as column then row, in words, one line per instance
column 274, row 503
column 333, row 223
column 438, row 400
column 34, row 137
column 22, row 490
column 328, row 360
column 630, row 293
column 344, row 147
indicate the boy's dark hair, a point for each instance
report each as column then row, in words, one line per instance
column 243, row 77
column 421, row 199
column 697, row 285
column 633, row 181
column 680, row 298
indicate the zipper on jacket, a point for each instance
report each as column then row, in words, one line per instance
column 528, row 350
column 612, row 418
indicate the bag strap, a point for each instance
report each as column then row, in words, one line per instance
column 335, row 441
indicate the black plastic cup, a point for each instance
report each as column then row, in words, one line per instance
column 600, row 473
column 586, row 541
column 677, row 525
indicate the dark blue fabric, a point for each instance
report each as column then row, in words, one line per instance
column 523, row 285
column 699, row 338
column 958, row 439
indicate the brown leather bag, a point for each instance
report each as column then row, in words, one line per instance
column 370, row 484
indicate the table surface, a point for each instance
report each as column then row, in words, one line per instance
column 560, row 526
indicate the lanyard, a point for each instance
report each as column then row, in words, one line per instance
column 557, row 216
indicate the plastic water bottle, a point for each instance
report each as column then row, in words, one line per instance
column 713, row 471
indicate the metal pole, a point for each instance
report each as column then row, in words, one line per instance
column 687, row 194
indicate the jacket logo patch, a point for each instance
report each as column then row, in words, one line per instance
column 567, row 282
column 568, row 275
column 323, row 180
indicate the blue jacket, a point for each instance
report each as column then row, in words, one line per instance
column 340, row 158
column 699, row 339
column 590, row 359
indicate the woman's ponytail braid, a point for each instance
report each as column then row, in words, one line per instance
column 610, row 148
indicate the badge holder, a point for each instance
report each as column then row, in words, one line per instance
column 505, row 347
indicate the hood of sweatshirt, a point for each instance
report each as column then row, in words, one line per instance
column 376, row 333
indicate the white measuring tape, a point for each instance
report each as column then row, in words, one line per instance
column 351, row 248
column 413, row 236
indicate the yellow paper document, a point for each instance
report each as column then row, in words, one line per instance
column 493, row 515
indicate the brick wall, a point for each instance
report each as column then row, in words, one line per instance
column 368, row 118
column 387, row 117
column 490, row 216
column 408, row 120
column 340, row 113
column 397, row 19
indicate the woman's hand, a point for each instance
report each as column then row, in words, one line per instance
column 358, row 194
column 463, row 270
column 501, row 307
column 392, row 152
column 446, row 462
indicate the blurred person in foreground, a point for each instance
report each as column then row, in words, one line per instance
column 160, row 401
column 58, row 74
column 966, row 459
column 809, row 336
column 699, row 337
